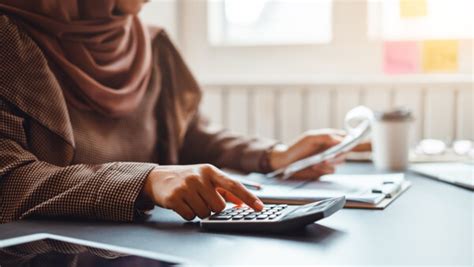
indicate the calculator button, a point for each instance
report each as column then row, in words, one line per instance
column 261, row 217
column 220, row 217
column 238, row 217
column 272, row 216
column 249, row 217
column 233, row 213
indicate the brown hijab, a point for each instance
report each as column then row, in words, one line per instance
column 104, row 56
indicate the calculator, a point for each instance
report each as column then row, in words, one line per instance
column 273, row 217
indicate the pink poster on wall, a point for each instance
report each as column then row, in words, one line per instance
column 401, row 57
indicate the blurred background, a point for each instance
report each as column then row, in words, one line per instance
column 275, row 68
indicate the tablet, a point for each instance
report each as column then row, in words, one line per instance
column 55, row 250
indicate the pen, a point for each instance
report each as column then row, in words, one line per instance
column 251, row 185
column 388, row 188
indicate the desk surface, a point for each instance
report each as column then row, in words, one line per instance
column 432, row 223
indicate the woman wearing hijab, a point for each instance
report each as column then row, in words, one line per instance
column 99, row 119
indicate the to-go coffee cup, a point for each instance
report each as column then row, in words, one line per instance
column 391, row 139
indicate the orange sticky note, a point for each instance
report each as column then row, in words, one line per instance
column 401, row 57
column 413, row 8
column 440, row 55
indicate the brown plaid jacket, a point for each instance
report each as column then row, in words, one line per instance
column 38, row 173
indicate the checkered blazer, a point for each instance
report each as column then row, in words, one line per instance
column 37, row 145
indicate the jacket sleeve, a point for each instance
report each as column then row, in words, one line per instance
column 30, row 187
column 205, row 143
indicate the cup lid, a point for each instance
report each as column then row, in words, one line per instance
column 397, row 114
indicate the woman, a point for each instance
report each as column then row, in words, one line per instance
column 99, row 119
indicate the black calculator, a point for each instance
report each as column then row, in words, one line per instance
column 273, row 217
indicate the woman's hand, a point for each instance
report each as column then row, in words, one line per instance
column 308, row 144
column 196, row 190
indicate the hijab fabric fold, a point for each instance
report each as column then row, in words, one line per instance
column 103, row 58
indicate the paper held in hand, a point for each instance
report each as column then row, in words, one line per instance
column 357, row 124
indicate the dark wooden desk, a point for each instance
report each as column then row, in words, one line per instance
column 432, row 223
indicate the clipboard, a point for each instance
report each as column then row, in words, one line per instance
column 359, row 188
column 382, row 204
column 385, row 202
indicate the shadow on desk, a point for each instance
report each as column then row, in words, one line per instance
column 164, row 224
column 314, row 233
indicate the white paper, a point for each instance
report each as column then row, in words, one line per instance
column 356, row 188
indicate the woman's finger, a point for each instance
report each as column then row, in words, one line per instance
column 363, row 147
column 326, row 167
column 321, row 165
column 182, row 208
column 337, row 160
column 311, row 173
column 219, row 179
column 197, row 204
column 308, row 174
column 210, row 195
column 228, row 196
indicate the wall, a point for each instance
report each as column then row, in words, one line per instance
column 279, row 91
column 351, row 55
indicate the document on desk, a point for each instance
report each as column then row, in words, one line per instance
column 374, row 191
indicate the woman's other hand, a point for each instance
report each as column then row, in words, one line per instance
column 310, row 143
column 196, row 190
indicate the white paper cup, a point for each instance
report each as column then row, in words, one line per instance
column 391, row 140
